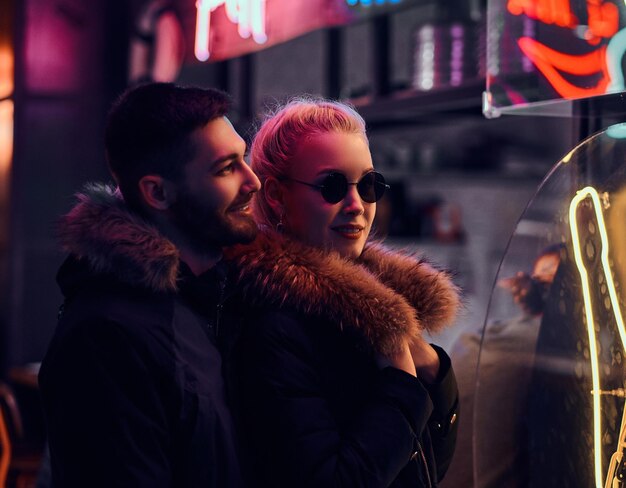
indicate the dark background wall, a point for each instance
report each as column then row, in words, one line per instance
column 70, row 64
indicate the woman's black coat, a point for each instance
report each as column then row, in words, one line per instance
column 314, row 408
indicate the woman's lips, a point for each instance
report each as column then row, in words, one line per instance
column 353, row 232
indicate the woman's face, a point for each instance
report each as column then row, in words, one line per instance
column 343, row 226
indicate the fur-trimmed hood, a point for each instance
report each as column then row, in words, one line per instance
column 386, row 295
column 113, row 240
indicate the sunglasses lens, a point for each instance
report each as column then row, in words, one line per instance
column 334, row 187
column 372, row 187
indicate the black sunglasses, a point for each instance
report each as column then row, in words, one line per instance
column 334, row 186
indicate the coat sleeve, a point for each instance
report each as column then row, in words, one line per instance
column 295, row 436
column 443, row 423
column 107, row 423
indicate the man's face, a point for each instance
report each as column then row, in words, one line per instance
column 212, row 206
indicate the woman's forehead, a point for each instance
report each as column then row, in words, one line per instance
column 346, row 153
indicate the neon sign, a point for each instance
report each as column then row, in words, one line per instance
column 590, row 192
column 249, row 15
column 367, row 3
column 604, row 62
column 547, row 11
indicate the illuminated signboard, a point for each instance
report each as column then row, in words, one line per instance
column 248, row 15
column 545, row 50
column 222, row 29
column 367, row 3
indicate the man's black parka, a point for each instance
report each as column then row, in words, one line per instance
column 132, row 382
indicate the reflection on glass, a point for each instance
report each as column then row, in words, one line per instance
column 549, row 397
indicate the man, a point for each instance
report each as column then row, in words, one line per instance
column 132, row 382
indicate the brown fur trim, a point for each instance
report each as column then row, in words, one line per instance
column 113, row 240
column 431, row 292
column 276, row 270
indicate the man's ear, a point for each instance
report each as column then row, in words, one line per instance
column 157, row 192
column 274, row 195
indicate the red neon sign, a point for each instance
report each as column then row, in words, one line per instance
column 556, row 12
column 603, row 23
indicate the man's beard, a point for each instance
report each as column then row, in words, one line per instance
column 207, row 228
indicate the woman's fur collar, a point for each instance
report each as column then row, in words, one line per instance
column 116, row 241
column 388, row 296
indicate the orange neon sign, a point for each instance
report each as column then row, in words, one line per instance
column 556, row 12
column 556, row 66
column 552, row 63
column 603, row 19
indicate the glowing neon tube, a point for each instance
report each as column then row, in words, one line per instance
column 249, row 15
column 203, row 20
column 590, row 192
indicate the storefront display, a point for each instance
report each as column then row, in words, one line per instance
column 550, row 394
column 549, row 399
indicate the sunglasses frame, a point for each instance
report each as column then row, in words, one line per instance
column 378, row 179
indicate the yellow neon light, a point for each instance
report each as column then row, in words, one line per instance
column 590, row 192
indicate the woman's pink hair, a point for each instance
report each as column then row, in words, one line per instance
column 274, row 144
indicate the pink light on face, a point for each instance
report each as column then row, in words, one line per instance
column 249, row 15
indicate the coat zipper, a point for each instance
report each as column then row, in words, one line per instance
column 423, row 458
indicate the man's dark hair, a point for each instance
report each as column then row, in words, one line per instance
column 148, row 131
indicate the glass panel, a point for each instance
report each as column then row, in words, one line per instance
column 542, row 51
column 550, row 387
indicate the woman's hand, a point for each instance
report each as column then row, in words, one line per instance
column 402, row 360
column 426, row 361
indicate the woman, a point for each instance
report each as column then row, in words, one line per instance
column 337, row 386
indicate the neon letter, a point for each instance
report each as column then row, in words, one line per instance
column 249, row 15
column 603, row 19
column 548, row 11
